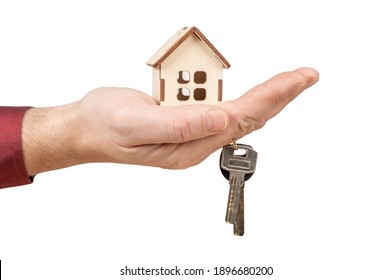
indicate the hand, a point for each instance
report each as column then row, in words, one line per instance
column 127, row 126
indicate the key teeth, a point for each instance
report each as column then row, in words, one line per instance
column 239, row 225
column 238, row 228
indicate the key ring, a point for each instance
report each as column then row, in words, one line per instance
column 234, row 144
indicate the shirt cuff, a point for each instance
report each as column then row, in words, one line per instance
column 12, row 167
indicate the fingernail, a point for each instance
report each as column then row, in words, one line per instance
column 216, row 120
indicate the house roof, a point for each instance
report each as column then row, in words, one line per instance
column 176, row 40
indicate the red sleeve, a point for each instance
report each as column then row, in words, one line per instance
column 12, row 169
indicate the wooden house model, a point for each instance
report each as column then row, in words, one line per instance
column 187, row 69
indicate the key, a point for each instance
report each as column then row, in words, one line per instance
column 237, row 166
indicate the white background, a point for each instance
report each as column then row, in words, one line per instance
column 318, row 206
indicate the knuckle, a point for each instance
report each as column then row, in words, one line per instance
column 181, row 131
column 300, row 78
column 246, row 126
column 300, row 81
column 249, row 125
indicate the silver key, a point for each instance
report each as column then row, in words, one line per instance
column 237, row 166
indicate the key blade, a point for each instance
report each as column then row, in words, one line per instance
column 236, row 181
column 230, row 204
column 239, row 225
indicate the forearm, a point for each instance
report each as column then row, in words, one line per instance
column 49, row 138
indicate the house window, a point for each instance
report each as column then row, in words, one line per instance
column 199, row 94
column 183, row 77
column 183, row 94
column 200, row 77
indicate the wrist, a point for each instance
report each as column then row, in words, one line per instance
column 50, row 138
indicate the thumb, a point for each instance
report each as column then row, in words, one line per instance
column 180, row 124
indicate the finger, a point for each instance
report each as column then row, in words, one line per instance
column 280, row 90
column 251, row 111
column 177, row 124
